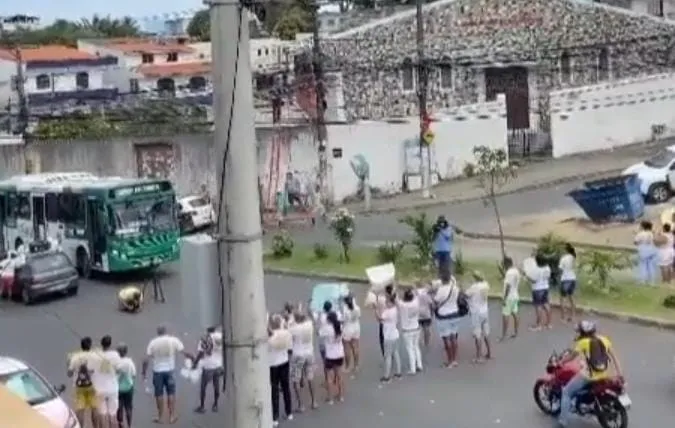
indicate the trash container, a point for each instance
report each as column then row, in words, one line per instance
column 611, row 199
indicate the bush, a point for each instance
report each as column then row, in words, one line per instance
column 390, row 252
column 469, row 170
column 669, row 301
column 422, row 230
column 599, row 265
column 282, row 245
column 320, row 251
column 551, row 247
column 342, row 225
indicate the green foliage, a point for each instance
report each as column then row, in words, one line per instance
column 282, row 245
column 422, row 229
column 390, row 252
column 493, row 171
column 67, row 33
column 551, row 247
column 200, row 26
column 669, row 301
column 469, row 170
column 342, row 225
column 320, row 251
column 461, row 266
column 599, row 265
column 152, row 117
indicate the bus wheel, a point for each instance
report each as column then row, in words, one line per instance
column 18, row 243
column 83, row 264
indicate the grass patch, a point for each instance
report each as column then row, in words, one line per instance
column 624, row 296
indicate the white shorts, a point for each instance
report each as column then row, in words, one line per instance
column 666, row 256
column 107, row 404
column 351, row 332
column 480, row 325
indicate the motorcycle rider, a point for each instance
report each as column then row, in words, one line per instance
column 593, row 353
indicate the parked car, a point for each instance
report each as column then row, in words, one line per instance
column 45, row 273
column 657, row 175
column 25, row 382
column 195, row 212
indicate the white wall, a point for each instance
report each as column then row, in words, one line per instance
column 382, row 144
column 7, row 70
column 63, row 81
column 600, row 117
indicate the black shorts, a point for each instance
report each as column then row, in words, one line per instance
column 425, row 323
column 331, row 364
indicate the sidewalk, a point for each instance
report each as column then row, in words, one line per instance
column 530, row 176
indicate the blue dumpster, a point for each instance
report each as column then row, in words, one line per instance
column 611, row 199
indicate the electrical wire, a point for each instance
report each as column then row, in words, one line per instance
column 222, row 212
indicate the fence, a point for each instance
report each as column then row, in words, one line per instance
column 529, row 143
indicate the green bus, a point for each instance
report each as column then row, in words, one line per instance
column 106, row 224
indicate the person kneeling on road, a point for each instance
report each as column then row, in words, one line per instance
column 130, row 299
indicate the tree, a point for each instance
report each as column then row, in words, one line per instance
column 293, row 21
column 200, row 26
column 493, row 171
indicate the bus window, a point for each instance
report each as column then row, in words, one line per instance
column 12, row 209
column 3, row 208
column 52, row 207
column 23, row 206
column 80, row 211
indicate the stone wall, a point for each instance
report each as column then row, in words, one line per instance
column 600, row 117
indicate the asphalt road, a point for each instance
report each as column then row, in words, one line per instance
column 472, row 216
column 496, row 394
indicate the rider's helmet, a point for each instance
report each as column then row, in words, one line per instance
column 586, row 328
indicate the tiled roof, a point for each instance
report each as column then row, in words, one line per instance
column 147, row 46
column 175, row 70
column 47, row 53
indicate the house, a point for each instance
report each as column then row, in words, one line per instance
column 167, row 66
column 476, row 50
column 662, row 8
column 54, row 74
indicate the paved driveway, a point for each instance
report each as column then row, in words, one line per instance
column 497, row 394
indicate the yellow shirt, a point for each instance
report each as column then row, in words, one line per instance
column 583, row 347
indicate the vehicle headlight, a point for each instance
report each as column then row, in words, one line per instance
column 72, row 421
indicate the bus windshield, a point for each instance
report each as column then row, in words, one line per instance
column 143, row 216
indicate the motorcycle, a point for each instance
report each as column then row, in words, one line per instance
column 605, row 400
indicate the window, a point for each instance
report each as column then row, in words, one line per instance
column 446, row 77
column 147, row 58
column 52, row 207
column 3, row 208
column 23, row 202
column 134, row 87
column 603, row 64
column 29, row 386
column 15, row 83
column 259, row 52
column 82, row 80
column 68, row 209
column 49, row 262
column 267, row 51
column 565, row 68
column 12, row 209
column 43, row 82
column 407, row 76
column 172, row 57
column 198, row 202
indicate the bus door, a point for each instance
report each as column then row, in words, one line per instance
column 38, row 204
column 3, row 211
column 96, row 231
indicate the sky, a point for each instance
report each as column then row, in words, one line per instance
column 144, row 10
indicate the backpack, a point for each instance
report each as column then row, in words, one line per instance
column 598, row 357
column 462, row 304
column 83, row 379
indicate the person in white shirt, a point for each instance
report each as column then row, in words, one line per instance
column 540, row 298
column 104, row 378
column 351, row 332
column 447, row 318
column 377, row 302
column 126, row 380
column 331, row 335
column 162, row 352
column 510, row 298
column 280, row 342
column 666, row 253
column 426, row 305
column 568, row 282
column 210, row 360
column 302, row 356
column 478, row 294
column 409, row 314
column 389, row 318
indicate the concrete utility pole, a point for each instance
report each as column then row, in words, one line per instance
column 320, row 88
column 422, row 88
column 239, row 232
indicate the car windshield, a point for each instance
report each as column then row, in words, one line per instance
column 140, row 216
column 198, row 202
column 661, row 160
column 49, row 262
column 29, row 386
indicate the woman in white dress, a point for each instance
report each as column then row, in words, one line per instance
column 351, row 334
column 666, row 253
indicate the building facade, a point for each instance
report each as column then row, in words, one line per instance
column 476, row 50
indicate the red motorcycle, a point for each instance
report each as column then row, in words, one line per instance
column 605, row 400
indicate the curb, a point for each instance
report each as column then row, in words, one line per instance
column 526, row 239
column 623, row 317
column 457, row 201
